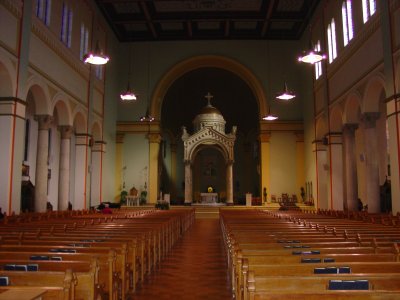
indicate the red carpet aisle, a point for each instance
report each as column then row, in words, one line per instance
column 196, row 268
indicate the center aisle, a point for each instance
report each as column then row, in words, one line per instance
column 195, row 269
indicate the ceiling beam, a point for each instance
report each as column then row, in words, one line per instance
column 307, row 18
column 227, row 28
column 267, row 18
column 189, row 28
column 143, row 6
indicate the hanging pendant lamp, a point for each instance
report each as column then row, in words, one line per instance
column 285, row 94
column 96, row 57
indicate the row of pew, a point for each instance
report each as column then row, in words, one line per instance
column 86, row 254
column 308, row 255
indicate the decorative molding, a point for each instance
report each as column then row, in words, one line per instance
column 368, row 119
column 138, row 127
column 44, row 121
column 66, row 131
column 119, row 139
column 347, row 52
column 48, row 37
column 281, row 126
column 299, row 136
column 154, row 138
column 13, row 6
column 265, row 136
column 58, row 86
column 12, row 99
column 208, row 136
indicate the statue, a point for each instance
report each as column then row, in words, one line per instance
column 265, row 194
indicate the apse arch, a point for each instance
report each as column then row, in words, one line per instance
column 205, row 61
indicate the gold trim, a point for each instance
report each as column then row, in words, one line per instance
column 137, row 127
column 266, row 126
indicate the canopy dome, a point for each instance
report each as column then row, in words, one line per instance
column 209, row 116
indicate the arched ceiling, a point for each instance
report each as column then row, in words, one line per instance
column 231, row 96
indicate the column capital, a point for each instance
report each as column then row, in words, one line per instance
column 350, row 127
column 265, row 136
column 299, row 136
column 369, row 119
column 120, row 137
column 44, row 121
column 82, row 139
column 334, row 138
column 318, row 145
column 99, row 146
column 66, row 131
column 154, row 138
column 229, row 162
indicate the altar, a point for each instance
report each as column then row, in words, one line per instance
column 209, row 197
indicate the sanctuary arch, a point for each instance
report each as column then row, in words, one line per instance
column 178, row 70
column 209, row 132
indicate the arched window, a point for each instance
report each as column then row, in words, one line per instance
column 318, row 65
column 66, row 25
column 84, row 41
column 331, row 32
column 43, row 10
column 369, row 8
column 347, row 20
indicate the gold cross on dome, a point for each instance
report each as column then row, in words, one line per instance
column 209, row 97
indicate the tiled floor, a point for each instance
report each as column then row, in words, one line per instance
column 195, row 269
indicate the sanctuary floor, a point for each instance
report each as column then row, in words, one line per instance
column 195, row 269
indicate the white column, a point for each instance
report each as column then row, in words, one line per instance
column 80, row 176
column 350, row 166
column 12, row 128
column 322, row 176
column 229, row 183
column 371, row 162
column 336, row 174
column 173, row 182
column 393, row 111
column 41, row 162
column 96, row 169
column 154, row 152
column 63, row 178
column 188, row 182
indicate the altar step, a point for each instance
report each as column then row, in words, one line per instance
column 207, row 212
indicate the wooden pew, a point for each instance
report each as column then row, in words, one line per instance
column 59, row 285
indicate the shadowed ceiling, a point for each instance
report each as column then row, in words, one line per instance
column 163, row 20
